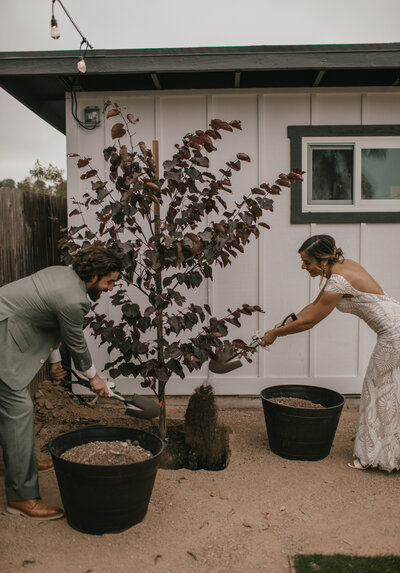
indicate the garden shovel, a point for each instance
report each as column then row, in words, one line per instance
column 138, row 406
column 225, row 366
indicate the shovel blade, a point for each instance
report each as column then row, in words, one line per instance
column 219, row 367
column 142, row 407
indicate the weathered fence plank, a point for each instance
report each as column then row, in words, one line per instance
column 30, row 226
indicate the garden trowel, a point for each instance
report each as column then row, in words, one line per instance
column 137, row 406
column 224, row 366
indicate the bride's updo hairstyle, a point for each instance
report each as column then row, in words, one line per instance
column 322, row 248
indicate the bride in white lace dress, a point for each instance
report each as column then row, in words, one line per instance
column 350, row 288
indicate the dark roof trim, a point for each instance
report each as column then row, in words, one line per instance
column 40, row 80
column 205, row 59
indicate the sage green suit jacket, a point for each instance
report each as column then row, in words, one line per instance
column 36, row 314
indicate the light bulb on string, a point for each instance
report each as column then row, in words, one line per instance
column 81, row 65
column 54, row 31
column 55, row 34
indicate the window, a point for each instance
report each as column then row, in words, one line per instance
column 352, row 173
column 380, row 173
column 330, row 174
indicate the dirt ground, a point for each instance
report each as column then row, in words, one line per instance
column 253, row 516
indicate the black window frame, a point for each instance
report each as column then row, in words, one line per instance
column 296, row 134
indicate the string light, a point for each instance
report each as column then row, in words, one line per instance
column 81, row 65
column 54, row 31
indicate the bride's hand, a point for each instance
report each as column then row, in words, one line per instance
column 269, row 338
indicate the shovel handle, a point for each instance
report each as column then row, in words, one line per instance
column 292, row 316
column 258, row 340
column 80, row 380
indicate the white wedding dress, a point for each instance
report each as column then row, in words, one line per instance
column 377, row 442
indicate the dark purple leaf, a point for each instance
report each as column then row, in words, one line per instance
column 213, row 134
column 275, row 190
column 296, row 175
column 283, row 182
column 118, row 131
column 220, row 124
column 112, row 112
column 89, row 174
column 235, row 165
column 236, row 124
column 143, row 148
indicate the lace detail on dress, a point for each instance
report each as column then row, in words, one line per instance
column 380, row 311
column 377, row 442
column 339, row 285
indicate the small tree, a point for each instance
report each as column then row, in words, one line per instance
column 164, row 255
column 42, row 179
column 8, row 183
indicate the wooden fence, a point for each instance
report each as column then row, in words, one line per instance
column 30, row 226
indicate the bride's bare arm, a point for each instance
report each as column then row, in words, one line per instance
column 307, row 318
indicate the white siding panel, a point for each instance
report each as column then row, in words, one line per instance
column 381, row 108
column 336, row 108
column 179, row 115
column 238, row 283
column 86, row 144
column 285, row 287
column 142, row 108
column 336, row 337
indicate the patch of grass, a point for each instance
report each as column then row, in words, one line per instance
column 346, row 564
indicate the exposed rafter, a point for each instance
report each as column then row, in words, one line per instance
column 318, row 79
column 237, row 79
column 156, row 81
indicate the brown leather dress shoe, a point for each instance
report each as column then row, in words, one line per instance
column 34, row 509
column 44, row 465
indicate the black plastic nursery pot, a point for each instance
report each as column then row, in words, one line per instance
column 105, row 499
column 301, row 433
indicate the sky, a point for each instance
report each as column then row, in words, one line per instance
column 25, row 26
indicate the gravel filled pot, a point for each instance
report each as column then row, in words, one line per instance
column 101, row 499
column 298, row 433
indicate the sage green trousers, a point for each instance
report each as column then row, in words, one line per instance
column 18, row 440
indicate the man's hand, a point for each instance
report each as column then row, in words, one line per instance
column 98, row 385
column 57, row 372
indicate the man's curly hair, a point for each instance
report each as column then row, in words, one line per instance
column 96, row 260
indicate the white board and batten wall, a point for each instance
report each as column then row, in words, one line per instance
column 335, row 353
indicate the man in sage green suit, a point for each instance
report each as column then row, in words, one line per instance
column 37, row 313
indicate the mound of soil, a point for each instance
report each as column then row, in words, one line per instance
column 295, row 402
column 113, row 453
